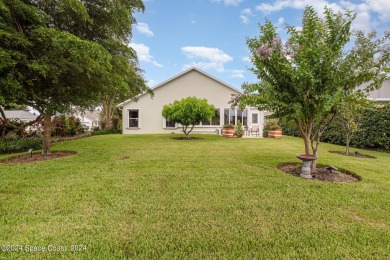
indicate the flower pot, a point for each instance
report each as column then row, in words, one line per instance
column 275, row 134
column 228, row 132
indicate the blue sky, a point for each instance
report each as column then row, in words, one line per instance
column 173, row 35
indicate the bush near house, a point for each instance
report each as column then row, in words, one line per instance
column 12, row 125
column 374, row 131
column 66, row 126
column 20, row 145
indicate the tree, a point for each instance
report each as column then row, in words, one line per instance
column 188, row 112
column 44, row 67
column 57, row 54
column 350, row 114
column 308, row 76
column 109, row 24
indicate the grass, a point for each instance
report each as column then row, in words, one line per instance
column 148, row 196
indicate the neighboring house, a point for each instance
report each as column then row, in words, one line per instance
column 379, row 95
column 89, row 119
column 145, row 115
column 22, row 115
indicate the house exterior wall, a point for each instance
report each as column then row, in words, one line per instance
column 382, row 94
column 191, row 83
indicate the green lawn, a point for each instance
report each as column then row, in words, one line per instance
column 148, row 196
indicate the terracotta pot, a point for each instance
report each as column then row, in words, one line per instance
column 228, row 132
column 275, row 134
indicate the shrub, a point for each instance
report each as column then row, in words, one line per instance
column 228, row 126
column 374, row 130
column 10, row 126
column 66, row 126
column 106, row 132
column 272, row 125
column 20, row 145
column 239, row 132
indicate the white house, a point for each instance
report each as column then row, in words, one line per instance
column 89, row 119
column 144, row 115
column 22, row 115
column 379, row 95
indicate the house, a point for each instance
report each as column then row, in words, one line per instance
column 379, row 95
column 144, row 116
column 88, row 119
column 22, row 115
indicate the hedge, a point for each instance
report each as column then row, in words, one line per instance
column 374, row 132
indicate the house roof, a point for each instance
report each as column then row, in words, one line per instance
column 19, row 114
column 92, row 115
column 181, row 74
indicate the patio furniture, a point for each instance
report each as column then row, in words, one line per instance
column 255, row 130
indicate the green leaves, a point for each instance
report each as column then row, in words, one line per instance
column 188, row 111
column 306, row 78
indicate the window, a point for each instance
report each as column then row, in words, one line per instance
column 226, row 116
column 255, row 118
column 216, row 119
column 169, row 124
column 232, row 116
column 133, row 118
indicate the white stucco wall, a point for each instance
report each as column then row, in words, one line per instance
column 191, row 83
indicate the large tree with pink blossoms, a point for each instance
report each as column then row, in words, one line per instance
column 308, row 76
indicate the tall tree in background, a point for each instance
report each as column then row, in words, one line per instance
column 61, row 53
column 306, row 78
column 109, row 24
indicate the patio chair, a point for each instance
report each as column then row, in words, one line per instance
column 254, row 129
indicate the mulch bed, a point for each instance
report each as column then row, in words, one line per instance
column 322, row 174
column 186, row 139
column 353, row 154
column 36, row 157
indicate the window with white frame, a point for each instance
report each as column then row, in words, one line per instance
column 231, row 116
column 214, row 121
column 133, row 117
column 255, row 118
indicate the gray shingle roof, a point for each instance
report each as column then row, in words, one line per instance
column 19, row 114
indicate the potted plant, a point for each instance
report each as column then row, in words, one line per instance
column 228, row 131
column 272, row 129
column 239, row 132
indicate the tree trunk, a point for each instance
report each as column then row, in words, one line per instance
column 46, row 134
column 107, row 112
column 347, row 145
column 307, row 145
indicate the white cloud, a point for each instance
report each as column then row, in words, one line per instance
column 151, row 82
column 364, row 10
column 245, row 14
column 144, row 29
column 237, row 74
column 246, row 59
column 143, row 53
column 229, row 2
column 210, row 58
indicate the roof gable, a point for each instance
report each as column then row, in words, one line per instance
column 164, row 83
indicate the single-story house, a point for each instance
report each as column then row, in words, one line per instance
column 144, row 116
column 22, row 115
column 89, row 119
